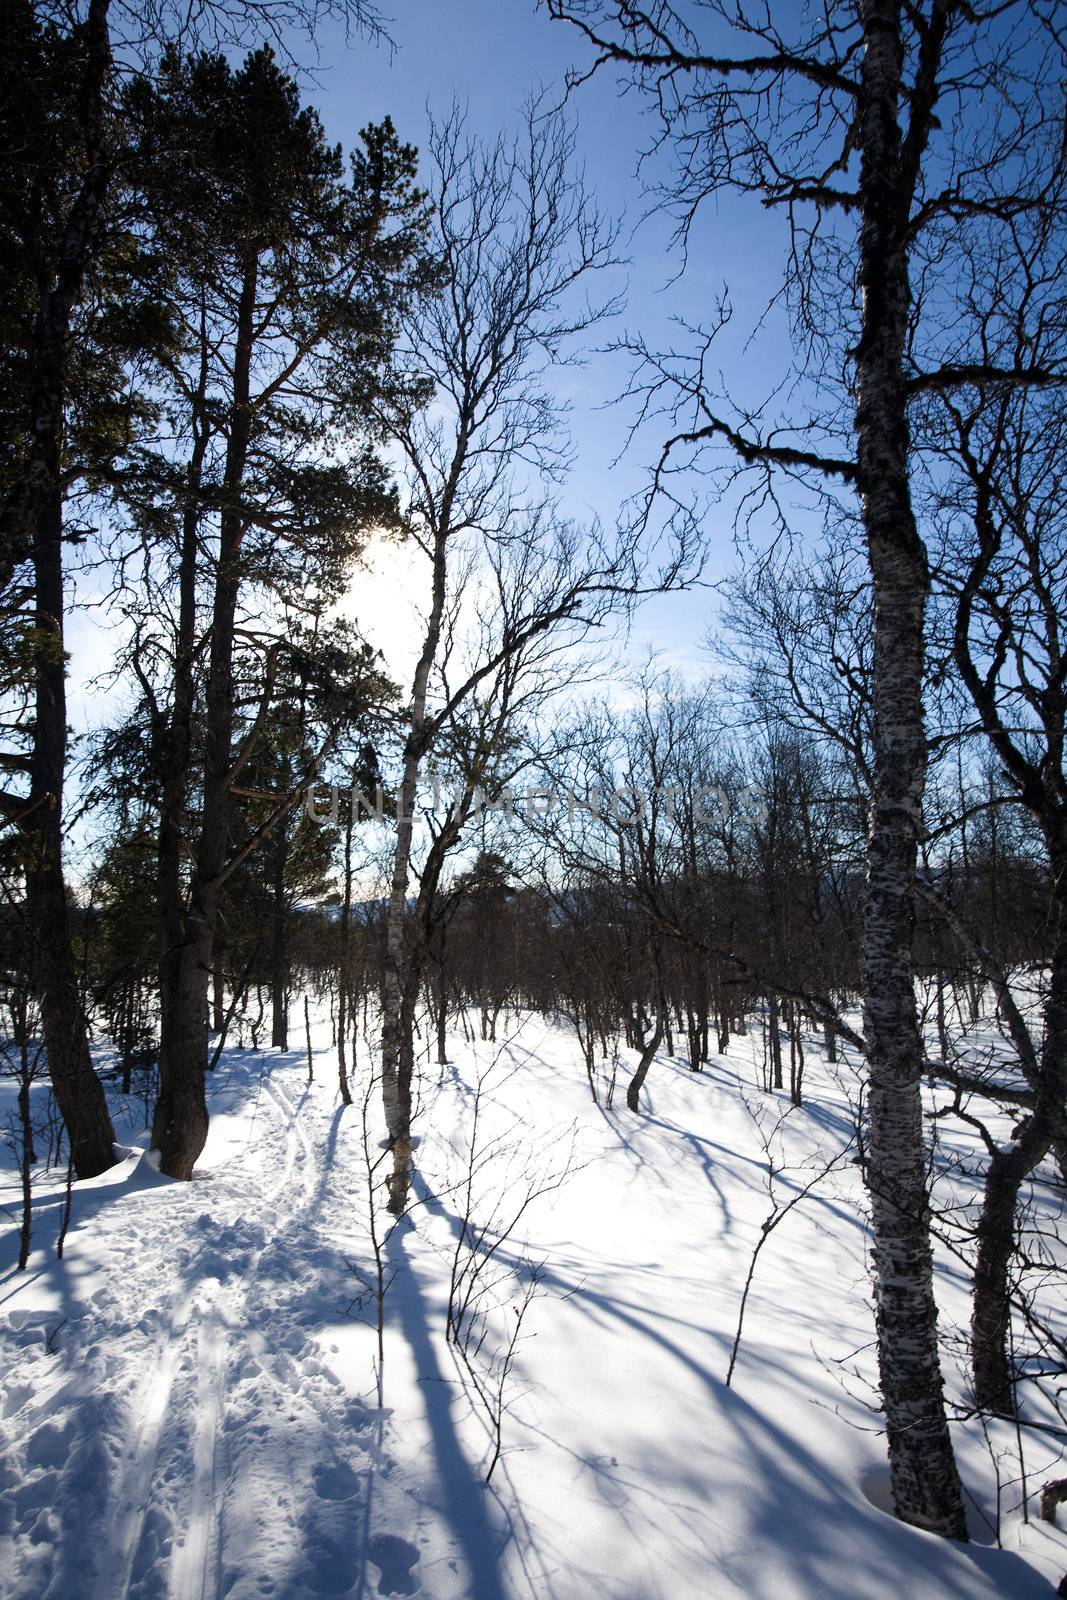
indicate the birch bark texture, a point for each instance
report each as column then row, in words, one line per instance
column 925, row 1481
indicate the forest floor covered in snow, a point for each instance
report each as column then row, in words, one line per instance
column 190, row 1400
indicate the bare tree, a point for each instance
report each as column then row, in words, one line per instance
column 1003, row 578
column 832, row 116
column 520, row 241
column 491, row 1288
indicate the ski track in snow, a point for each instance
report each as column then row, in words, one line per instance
column 210, row 1415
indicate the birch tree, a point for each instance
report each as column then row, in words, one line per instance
column 883, row 132
column 508, row 578
column 1003, row 600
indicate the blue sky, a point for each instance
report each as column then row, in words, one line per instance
column 490, row 55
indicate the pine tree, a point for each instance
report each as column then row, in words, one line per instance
column 289, row 274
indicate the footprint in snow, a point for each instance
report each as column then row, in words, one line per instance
column 396, row 1560
column 359, row 1418
column 334, row 1572
column 337, row 1482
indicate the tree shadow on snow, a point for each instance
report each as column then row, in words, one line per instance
column 464, row 1499
column 812, row 1535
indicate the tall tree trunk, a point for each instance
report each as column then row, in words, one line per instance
column 279, row 947
column 722, row 1017
column 774, row 1031
column 397, row 1046
column 174, row 759
column 27, row 1154
column 33, row 521
column 991, row 1307
column 442, row 1012
column 180, row 1125
column 345, row 966
column 398, row 1054
column 796, row 1056
column 648, row 1054
column 924, row 1479
column 77, row 1089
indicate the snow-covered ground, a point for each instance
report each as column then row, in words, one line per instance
column 190, row 1403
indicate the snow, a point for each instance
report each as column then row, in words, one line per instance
column 190, row 1403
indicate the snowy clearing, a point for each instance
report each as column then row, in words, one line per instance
column 190, row 1397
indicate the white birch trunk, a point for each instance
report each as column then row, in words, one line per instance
column 925, row 1482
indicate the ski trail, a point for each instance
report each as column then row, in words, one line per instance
column 194, row 1564
column 298, row 1134
column 225, row 1455
column 212, row 1313
column 135, row 1474
column 208, row 1438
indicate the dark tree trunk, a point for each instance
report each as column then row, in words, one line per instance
column 692, row 1028
column 32, row 521
column 942, row 1029
column 648, row 1055
column 775, row 1039
column 26, row 1158
column 722, row 1020
column 403, row 962
column 180, row 1122
column 307, row 1037
column 180, row 1125
column 924, row 1479
column 991, row 1308
column 400, row 1126
column 77, row 1089
column 279, row 951
column 442, row 1017
column 796, row 1058
column 344, row 976
column 1008, row 1169
column 178, row 1106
